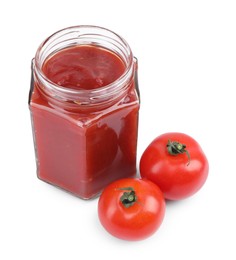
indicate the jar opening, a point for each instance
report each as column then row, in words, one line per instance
column 84, row 36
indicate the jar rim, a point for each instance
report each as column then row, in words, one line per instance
column 82, row 32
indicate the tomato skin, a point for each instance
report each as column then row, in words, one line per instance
column 176, row 175
column 138, row 221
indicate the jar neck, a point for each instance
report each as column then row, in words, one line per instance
column 84, row 35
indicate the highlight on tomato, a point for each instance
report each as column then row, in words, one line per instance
column 131, row 209
column 176, row 163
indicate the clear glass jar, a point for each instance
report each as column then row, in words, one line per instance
column 84, row 138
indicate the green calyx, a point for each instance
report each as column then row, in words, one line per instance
column 128, row 198
column 175, row 148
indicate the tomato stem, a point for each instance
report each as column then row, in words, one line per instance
column 175, row 148
column 128, row 198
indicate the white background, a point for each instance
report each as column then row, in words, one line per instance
column 187, row 75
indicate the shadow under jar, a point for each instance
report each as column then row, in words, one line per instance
column 84, row 105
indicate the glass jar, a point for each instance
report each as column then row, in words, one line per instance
column 84, row 138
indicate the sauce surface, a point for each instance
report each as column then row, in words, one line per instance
column 83, row 67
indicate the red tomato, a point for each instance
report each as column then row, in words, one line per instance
column 176, row 163
column 131, row 209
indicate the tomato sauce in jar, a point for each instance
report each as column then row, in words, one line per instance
column 84, row 107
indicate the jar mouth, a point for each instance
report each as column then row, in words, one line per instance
column 84, row 35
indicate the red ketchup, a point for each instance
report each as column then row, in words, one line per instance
column 84, row 108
